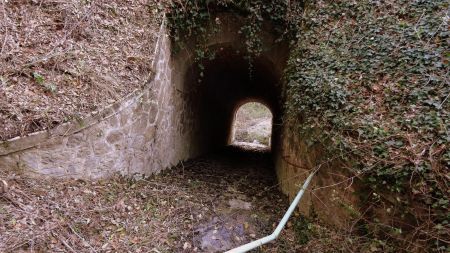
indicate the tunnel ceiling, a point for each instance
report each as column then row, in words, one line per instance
column 229, row 79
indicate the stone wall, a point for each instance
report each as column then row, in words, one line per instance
column 331, row 194
column 140, row 134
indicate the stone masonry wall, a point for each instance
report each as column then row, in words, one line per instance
column 331, row 194
column 139, row 134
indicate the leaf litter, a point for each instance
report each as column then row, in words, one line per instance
column 61, row 60
column 208, row 204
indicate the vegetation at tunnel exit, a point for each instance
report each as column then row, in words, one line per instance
column 373, row 77
column 253, row 124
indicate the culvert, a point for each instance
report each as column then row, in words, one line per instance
column 221, row 86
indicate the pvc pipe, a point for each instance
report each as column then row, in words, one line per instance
column 252, row 245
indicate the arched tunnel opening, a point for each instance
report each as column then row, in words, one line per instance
column 218, row 87
column 252, row 125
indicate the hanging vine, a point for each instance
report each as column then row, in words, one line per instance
column 196, row 19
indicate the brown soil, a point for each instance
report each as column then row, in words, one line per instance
column 205, row 205
column 61, row 60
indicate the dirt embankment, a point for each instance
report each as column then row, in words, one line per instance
column 60, row 60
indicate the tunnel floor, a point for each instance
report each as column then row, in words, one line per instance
column 241, row 200
column 209, row 204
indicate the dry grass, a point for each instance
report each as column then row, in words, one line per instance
column 64, row 59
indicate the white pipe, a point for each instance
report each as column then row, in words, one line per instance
column 252, row 245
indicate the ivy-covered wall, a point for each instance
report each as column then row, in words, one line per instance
column 373, row 77
column 332, row 195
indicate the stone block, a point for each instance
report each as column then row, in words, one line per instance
column 139, row 126
column 114, row 137
column 90, row 163
column 100, row 147
column 114, row 121
column 153, row 112
column 75, row 140
column 84, row 151
column 10, row 162
column 30, row 160
column 124, row 118
column 149, row 134
column 106, row 164
column 136, row 165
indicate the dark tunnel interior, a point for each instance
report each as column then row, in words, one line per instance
column 218, row 87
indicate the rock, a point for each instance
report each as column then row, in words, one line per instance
column 239, row 204
column 186, row 245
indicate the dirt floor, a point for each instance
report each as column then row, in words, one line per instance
column 208, row 204
column 61, row 60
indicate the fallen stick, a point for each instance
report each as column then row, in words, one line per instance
column 63, row 242
column 3, row 186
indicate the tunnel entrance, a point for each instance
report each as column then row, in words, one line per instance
column 210, row 90
column 216, row 88
column 252, row 125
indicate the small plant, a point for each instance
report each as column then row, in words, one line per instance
column 303, row 229
column 50, row 87
column 39, row 79
column 2, row 81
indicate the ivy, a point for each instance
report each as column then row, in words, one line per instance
column 195, row 19
column 375, row 75
column 372, row 78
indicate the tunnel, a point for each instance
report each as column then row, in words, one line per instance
column 218, row 87
column 212, row 91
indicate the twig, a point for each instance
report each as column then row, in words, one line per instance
column 415, row 27
column 445, row 99
column 3, row 186
column 14, row 247
column 81, row 238
column 4, row 41
column 312, row 191
column 63, row 242
column 335, row 184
